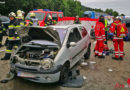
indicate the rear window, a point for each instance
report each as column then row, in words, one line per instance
column 39, row 16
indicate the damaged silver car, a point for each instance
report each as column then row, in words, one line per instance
column 51, row 53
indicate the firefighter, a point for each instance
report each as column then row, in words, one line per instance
column 20, row 20
column 1, row 32
column 13, row 38
column 23, row 15
column 49, row 21
column 119, row 30
column 33, row 20
column 77, row 21
column 100, row 37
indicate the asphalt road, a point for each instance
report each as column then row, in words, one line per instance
column 105, row 74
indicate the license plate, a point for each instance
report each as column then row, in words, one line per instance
column 26, row 75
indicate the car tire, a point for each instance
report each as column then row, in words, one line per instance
column 64, row 74
column 87, row 54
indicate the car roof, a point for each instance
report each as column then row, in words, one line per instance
column 66, row 26
column 59, row 26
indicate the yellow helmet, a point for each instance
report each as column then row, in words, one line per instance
column 12, row 14
column 19, row 12
column 32, row 15
column 20, row 16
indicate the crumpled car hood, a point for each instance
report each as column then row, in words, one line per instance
column 44, row 33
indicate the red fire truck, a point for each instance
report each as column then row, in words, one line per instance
column 42, row 15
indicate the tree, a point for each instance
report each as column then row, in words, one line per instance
column 122, row 14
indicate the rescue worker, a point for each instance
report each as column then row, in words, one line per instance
column 106, row 34
column 23, row 15
column 49, row 21
column 77, row 21
column 33, row 20
column 13, row 37
column 100, row 37
column 119, row 30
column 1, row 32
column 20, row 20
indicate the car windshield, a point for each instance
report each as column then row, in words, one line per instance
column 62, row 33
column 39, row 15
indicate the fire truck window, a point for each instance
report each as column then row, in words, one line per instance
column 54, row 16
column 60, row 15
column 47, row 16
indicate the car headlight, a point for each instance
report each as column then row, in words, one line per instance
column 47, row 63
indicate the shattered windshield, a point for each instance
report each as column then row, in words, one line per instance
column 62, row 33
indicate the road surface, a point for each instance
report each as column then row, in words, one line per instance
column 106, row 74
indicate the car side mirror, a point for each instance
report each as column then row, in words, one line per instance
column 71, row 44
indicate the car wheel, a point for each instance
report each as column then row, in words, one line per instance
column 64, row 75
column 87, row 54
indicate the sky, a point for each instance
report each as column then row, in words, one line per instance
column 122, row 6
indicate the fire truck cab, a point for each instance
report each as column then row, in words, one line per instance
column 42, row 15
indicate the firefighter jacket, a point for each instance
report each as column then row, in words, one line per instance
column 12, row 34
column 100, row 31
column 49, row 22
column 21, row 22
column 2, row 28
column 33, row 22
column 119, row 30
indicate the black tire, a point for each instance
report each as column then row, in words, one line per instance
column 64, row 75
column 87, row 54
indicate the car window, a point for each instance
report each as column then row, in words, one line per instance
column 60, row 15
column 39, row 16
column 83, row 31
column 74, row 36
column 54, row 16
column 127, row 24
column 4, row 19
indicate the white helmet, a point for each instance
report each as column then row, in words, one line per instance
column 20, row 16
column 19, row 12
column 77, row 16
column 12, row 14
column 23, row 12
column 49, row 17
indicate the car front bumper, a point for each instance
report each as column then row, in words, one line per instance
column 36, row 74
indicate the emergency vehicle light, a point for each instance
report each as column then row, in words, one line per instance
column 34, row 9
column 41, row 10
column 46, row 10
column 60, row 10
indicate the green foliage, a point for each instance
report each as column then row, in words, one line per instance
column 122, row 14
column 112, row 12
column 69, row 7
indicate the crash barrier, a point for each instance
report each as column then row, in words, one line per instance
column 87, row 22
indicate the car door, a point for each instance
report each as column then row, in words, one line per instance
column 75, row 37
column 85, row 39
